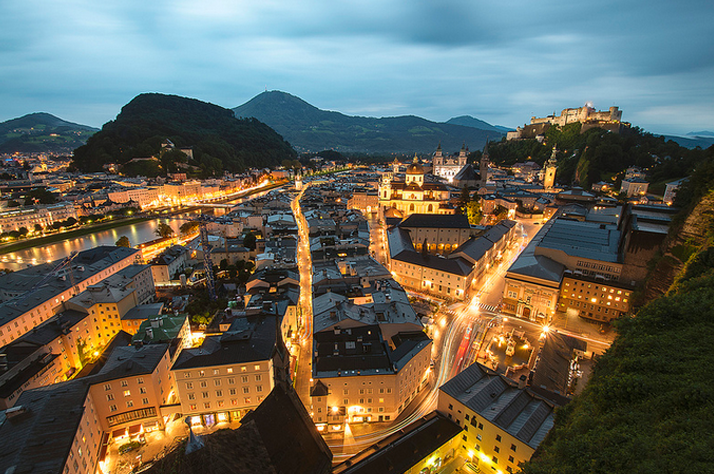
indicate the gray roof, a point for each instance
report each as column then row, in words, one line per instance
column 249, row 339
column 130, row 361
column 530, row 265
column 144, row 311
column 39, row 439
column 456, row 266
column 440, row 221
column 582, row 239
column 86, row 264
column 498, row 399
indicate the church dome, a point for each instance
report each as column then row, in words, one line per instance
column 415, row 167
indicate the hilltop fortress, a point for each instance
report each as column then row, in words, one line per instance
column 610, row 120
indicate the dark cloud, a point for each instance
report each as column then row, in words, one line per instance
column 499, row 61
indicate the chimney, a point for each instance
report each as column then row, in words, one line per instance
column 3, row 363
column 150, row 333
column 522, row 382
column 155, row 323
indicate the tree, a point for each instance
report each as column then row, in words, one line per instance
column 38, row 228
column 473, row 211
column 40, row 196
column 465, row 197
column 249, row 241
column 123, row 242
column 188, row 228
column 23, row 231
column 164, row 230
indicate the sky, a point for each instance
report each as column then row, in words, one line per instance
column 500, row 61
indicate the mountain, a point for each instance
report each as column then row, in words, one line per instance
column 701, row 133
column 219, row 140
column 692, row 141
column 469, row 121
column 41, row 132
column 311, row 129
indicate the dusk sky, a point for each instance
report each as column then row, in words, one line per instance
column 502, row 62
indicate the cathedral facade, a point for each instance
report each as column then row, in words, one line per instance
column 449, row 166
column 414, row 195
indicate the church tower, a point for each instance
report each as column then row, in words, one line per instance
column 385, row 187
column 550, row 168
column 395, row 167
column 463, row 155
column 438, row 157
column 483, row 169
column 298, row 181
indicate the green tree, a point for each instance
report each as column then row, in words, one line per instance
column 123, row 242
column 164, row 230
column 189, row 228
column 473, row 212
column 249, row 241
column 40, row 196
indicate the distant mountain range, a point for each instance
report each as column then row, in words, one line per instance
column 693, row 139
column 42, row 133
column 308, row 128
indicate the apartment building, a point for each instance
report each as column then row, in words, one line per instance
column 232, row 373
column 503, row 423
column 35, row 294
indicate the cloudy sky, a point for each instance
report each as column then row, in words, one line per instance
column 501, row 61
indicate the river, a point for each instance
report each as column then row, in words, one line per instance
column 137, row 233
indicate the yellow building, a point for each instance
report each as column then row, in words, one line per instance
column 503, row 423
column 232, row 373
column 414, row 195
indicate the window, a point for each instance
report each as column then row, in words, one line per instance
column 496, row 449
column 345, row 392
column 247, row 401
column 244, row 369
column 186, row 375
column 451, row 407
column 478, row 437
column 498, row 437
column 124, row 383
column 216, row 371
column 232, row 391
column 145, row 401
column 112, row 408
column 129, row 404
column 127, row 393
column 107, row 387
column 142, row 390
column 204, row 394
column 218, row 382
column 110, row 397
column 191, row 396
column 231, row 381
column 229, row 370
column 244, row 379
column 259, row 388
column 464, row 437
column 495, row 460
column 256, row 367
column 201, row 373
column 513, row 448
column 204, row 384
column 219, row 393
column 189, row 385
column 510, row 458
column 246, row 389
column 207, row 405
column 140, row 380
column 257, row 378
column 192, row 406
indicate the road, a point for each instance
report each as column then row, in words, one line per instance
column 461, row 336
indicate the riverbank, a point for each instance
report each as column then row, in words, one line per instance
column 84, row 230
column 94, row 228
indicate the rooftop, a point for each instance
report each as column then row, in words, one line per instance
column 498, row 399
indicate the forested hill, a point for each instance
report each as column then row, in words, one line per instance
column 598, row 155
column 41, row 132
column 311, row 129
column 219, row 140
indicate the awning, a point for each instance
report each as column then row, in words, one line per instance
column 119, row 433
column 134, row 429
